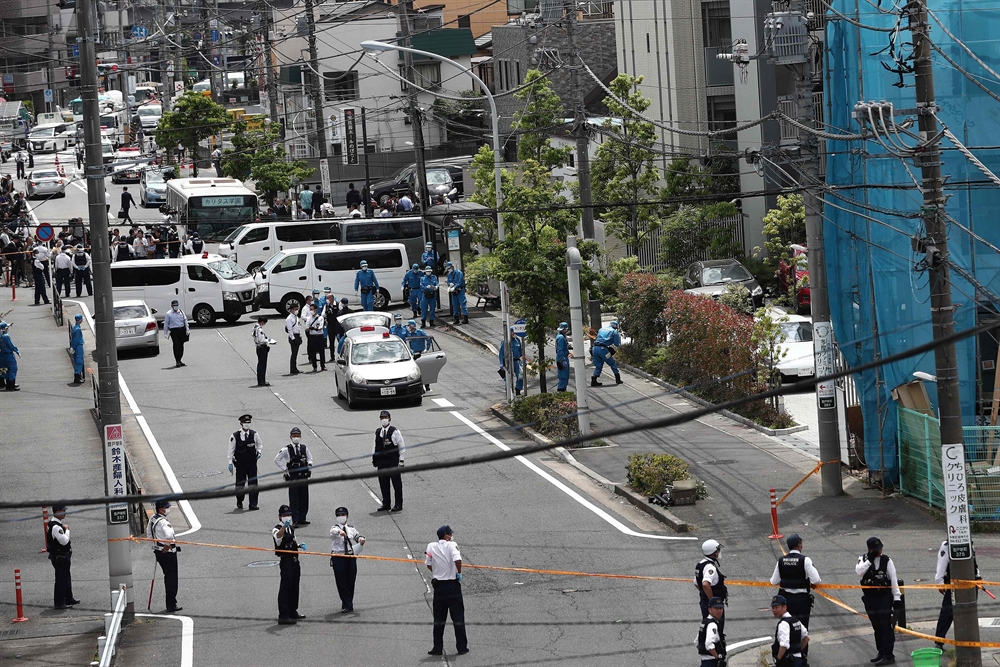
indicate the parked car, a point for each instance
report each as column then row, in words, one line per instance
column 107, row 151
column 793, row 278
column 456, row 167
column 135, row 326
column 130, row 173
column 52, row 137
column 798, row 360
column 439, row 182
column 153, row 185
column 710, row 278
column 149, row 116
column 45, row 183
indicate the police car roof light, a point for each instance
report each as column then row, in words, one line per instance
column 385, row 334
column 204, row 255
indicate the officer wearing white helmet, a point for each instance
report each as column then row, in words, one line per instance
column 708, row 577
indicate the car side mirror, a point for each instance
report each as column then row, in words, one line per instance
column 341, row 362
column 153, row 311
column 416, row 355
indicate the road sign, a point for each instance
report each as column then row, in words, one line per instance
column 197, row 36
column 44, row 232
column 48, row 94
column 76, row 50
column 216, row 59
column 351, row 136
column 324, row 175
column 956, row 501
column 140, row 32
column 823, row 351
column 214, row 35
column 520, row 328
column 114, row 466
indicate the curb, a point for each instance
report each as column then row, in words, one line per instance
column 489, row 347
column 708, row 404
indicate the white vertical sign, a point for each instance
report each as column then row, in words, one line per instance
column 324, row 175
column 956, row 501
column 114, row 466
column 826, row 392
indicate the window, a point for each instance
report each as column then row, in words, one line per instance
column 425, row 75
column 162, row 275
column 464, row 21
column 716, row 26
column 350, row 260
column 721, row 112
column 303, row 233
column 647, row 43
column 127, row 277
column 425, row 23
column 255, row 236
column 373, row 232
column 338, row 149
column 201, row 274
column 291, row 263
column 341, row 86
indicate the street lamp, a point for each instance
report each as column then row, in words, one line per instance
column 376, row 47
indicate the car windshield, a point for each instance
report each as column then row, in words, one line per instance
column 228, row 269
column 39, row 175
column 107, row 148
column 129, row 312
column 271, row 263
column 107, row 121
column 714, row 275
column 797, row 332
column 437, row 177
column 150, row 111
column 235, row 235
column 379, row 352
column 43, row 132
column 154, row 177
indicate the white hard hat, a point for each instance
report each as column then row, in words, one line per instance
column 709, row 547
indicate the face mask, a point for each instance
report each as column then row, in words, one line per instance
column 364, row 268
column 283, row 519
column 246, row 427
column 341, row 520
column 166, row 512
column 175, row 308
column 385, row 423
column 295, row 441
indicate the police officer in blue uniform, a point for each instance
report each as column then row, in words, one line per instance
column 245, row 447
column 562, row 356
column 398, row 328
column 8, row 364
column 76, row 343
column 418, row 339
column 456, row 290
column 60, row 553
column 428, row 297
column 411, row 288
column 605, row 345
column 712, row 636
column 285, row 545
column 429, row 257
column 366, row 282
column 517, row 352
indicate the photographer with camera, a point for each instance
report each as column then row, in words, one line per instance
column 295, row 460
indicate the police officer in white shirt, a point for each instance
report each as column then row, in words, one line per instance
column 263, row 344
column 708, row 578
column 64, row 271
column 795, row 573
column 296, row 459
column 790, row 637
column 711, row 635
column 165, row 549
column 389, row 452
column 60, row 553
column 343, row 537
column 877, row 569
column 943, row 576
column 316, row 343
column 245, row 447
column 444, row 560
column 294, row 336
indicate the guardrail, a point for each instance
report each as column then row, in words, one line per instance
column 112, row 628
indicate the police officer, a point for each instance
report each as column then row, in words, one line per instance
column 263, row 345
column 605, row 345
column 123, row 251
column 796, row 574
column 877, row 569
column 428, row 297
column 712, row 636
column 244, row 451
column 790, row 637
column 943, row 576
column 195, row 245
column 517, row 354
column 39, row 273
column 64, row 269
column 76, row 343
column 343, row 537
column 60, row 552
column 177, row 329
column 429, row 257
column 81, row 267
column 444, row 560
column 456, row 291
column 294, row 337
column 295, row 459
column 366, row 283
column 562, row 356
column 165, row 549
column 283, row 535
column 331, row 309
column 398, row 328
column 411, row 288
column 8, row 364
column 389, row 452
column 708, row 577
column 315, row 343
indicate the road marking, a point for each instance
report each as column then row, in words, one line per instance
column 187, row 636
column 79, row 185
column 31, row 211
column 738, row 645
column 565, row 489
column 443, row 402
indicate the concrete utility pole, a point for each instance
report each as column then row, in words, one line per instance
column 119, row 554
column 163, row 55
column 316, row 85
column 573, row 265
column 405, row 9
column 368, row 178
column 942, row 318
column 271, row 84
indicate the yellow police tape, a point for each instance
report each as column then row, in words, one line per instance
column 807, row 476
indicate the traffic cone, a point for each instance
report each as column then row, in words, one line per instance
column 59, row 168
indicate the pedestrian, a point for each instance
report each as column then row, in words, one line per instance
column 38, row 271
column 127, row 203
column 405, row 204
column 428, row 297
column 943, row 576
column 603, row 351
column 562, row 356
column 177, row 330
column 140, row 249
column 389, row 452
column 444, row 560
column 8, row 364
column 317, row 202
column 76, row 343
column 876, row 569
column 712, row 636
column 343, row 537
column 286, row 549
column 245, row 447
column 796, row 574
column 305, row 200
column 165, row 549
column 708, row 577
column 81, row 266
column 20, row 159
column 195, row 245
column 398, row 328
column 79, row 157
column 107, row 202
column 353, row 197
column 60, row 554
column 456, row 290
column 366, row 282
column 791, row 638
column 429, row 257
column 411, row 289
column 217, row 161
column 315, row 343
column 64, row 269
column 294, row 337
column 263, row 344
column 296, row 460
column 517, row 354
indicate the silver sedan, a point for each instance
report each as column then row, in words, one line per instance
column 135, row 326
column 46, row 183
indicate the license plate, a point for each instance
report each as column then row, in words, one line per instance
column 388, row 391
column 249, row 308
column 803, row 372
column 126, row 331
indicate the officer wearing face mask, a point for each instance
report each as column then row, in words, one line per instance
column 397, row 329
column 389, row 452
column 428, row 300
column 411, row 288
column 366, row 283
column 295, row 460
column 456, row 292
column 244, row 451
column 285, row 548
column 165, row 549
column 429, row 256
column 345, row 542
column 177, row 329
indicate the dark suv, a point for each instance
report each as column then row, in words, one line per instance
column 439, row 182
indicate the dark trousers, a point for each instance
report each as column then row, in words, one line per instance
column 127, row 217
column 63, row 590
column 168, row 563
column 317, row 350
column 63, row 280
column 83, row 278
column 879, row 610
column 39, row 277
column 288, row 589
column 177, row 336
column 345, row 571
column 448, row 600
column 294, row 343
column 246, row 473
column 298, row 501
column 799, row 606
column 20, row 170
column 397, row 485
column 262, row 351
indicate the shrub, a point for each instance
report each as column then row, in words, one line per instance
column 649, row 473
column 737, row 297
column 548, row 413
column 641, row 300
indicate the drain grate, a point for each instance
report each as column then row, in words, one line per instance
column 263, row 563
column 7, row 634
column 202, row 473
column 721, row 462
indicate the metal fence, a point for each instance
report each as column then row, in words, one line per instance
column 649, row 251
column 107, row 643
column 920, row 473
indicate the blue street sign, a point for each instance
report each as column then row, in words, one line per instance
column 520, row 328
column 217, row 60
column 140, row 32
column 197, row 36
column 76, row 50
column 215, row 35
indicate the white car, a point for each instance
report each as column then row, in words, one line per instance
column 799, row 360
column 45, row 183
column 135, row 326
column 149, row 115
column 51, row 137
column 131, row 171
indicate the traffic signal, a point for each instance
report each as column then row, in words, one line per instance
column 107, row 68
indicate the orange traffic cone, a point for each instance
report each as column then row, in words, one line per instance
column 59, row 168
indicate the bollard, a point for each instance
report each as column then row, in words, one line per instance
column 21, row 618
column 45, row 529
column 775, row 535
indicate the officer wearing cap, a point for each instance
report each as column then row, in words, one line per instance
column 943, row 576
column 389, row 452
column 411, row 288
column 60, row 552
column 877, row 569
column 444, row 560
column 456, row 290
column 263, row 344
column 790, row 637
column 76, row 343
column 708, row 577
column 165, row 549
column 366, row 283
column 428, row 297
column 343, row 537
column 296, row 460
column 562, row 356
column 796, row 574
column 712, row 636
column 398, row 328
column 286, row 548
column 177, row 329
column 244, row 451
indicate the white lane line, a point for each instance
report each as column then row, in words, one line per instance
column 187, row 636
column 79, row 185
column 168, row 472
column 565, row 489
column 443, row 402
column 738, row 645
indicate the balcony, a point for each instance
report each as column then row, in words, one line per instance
column 717, row 72
column 18, row 45
column 29, row 81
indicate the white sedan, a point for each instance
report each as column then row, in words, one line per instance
column 135, row 326
column 799, row 360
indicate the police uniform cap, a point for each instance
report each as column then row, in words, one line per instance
column 778, row 600
column 295, row 431
column 448, row 265
column 161, row 504
column 315, row 291
column 327, row 290
column 415, row 266
column 79, row 317
column 428, row 269
column 793, row 540
column 444, row 530
column 563, row 325
column 284, row 510
column 344, row 300
column 79, row 246
column 175, row 302
column 384, row 415
column 245, row 419
column 874, row 543
column 340, row 511
column 397, row 316
column 716, row 602
column 58, row 508
column 261, row 318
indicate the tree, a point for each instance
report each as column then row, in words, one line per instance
column 463, row 120
column 784, row 226
column 193, row 119
column 259, row 155
column 689, row 235
column 624, row 168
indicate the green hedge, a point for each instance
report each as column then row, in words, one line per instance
column 548, row 413
column 650, row 473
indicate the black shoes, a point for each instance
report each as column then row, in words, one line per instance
column 465, row 320
column 383, row 508
column 433, row 652
column 457, row 321
column 397, row 508
column 239, row 504
column 886, row 661
column 294, row 372
column 254, row 508
column 286, row 621
column 72, row 602
column 302, row 523
column 298, row 617
column 877, row 658
column 174, row 609
column 618, row 379
column 423, row 325
column 463, row 651
column 264, row 384
column 594, row 382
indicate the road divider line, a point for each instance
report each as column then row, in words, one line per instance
column 746, row 643
column 187, row 636
column 621, row 527
column 443, row 402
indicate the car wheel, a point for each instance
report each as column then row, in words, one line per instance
column 382, row 199
column 155, row 352
column 254, row 265
column 288, row 301
column 204, row 315
column 381, row 300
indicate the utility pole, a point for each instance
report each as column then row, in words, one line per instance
column 315, row 91
column 364, row 142
column 272, row 88
column 162, row 57
column 119, row 553
column 405, row 9
column 928, row 158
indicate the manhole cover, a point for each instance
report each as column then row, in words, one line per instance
column 202, row 473
column 721, row 462
column 263, row 563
